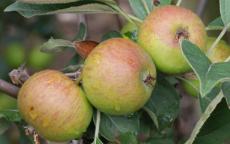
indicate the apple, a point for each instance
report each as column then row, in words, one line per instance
column 160, row 36
column 83, row 48
column 118, row 76
column 14, row 54
column 7, row 102
column 55, row 106
column 39, row 60
column 219, row 54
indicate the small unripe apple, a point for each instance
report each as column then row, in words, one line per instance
column 55, row 106
column 118, row 76
column 161, row 32
column 46, row 1
column 219, row 54
column 39, row 60
column 14, row 55
column 6, row 102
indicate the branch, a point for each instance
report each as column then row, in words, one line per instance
column 9, row 88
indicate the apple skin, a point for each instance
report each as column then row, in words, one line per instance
column 113, row 77
column 7, row 102
column 46, row 1
column 55, row 106
column 219, row 54
column 39, row 60
column 192, row 85
column 14, row 55
column 160, row 33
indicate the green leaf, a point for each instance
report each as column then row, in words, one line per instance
column 11, row 115
column 217, row 72
column 216, row 129
column 140, row 9
column 163, row 104
column 56, row 45
column 111, row 34
column 204, row 101
column 197, row 60
column 225, row 11
column 160, row 141
column 82, row 32
column 93, row 6
column 112, row 127
column 204, row 117
column 208, row 74
column 226, row 92
column 127, row 138
column 216, row 24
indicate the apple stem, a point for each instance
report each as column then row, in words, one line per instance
column 178, row 2
column 145, row 6
column 210, row 50
column 98, row 119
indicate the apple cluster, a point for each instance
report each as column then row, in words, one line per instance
column 118, row 76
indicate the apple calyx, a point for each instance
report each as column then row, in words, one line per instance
column 182, row 33
column 149, row 80
column 156, row 2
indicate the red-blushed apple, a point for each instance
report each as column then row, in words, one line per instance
column 161, row 32
column 55, row 106
column 118, row 77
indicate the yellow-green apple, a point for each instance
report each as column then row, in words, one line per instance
column 118, row 76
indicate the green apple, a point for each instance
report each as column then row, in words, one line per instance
column 39, row 60
column 160, row 36
column 14, row 54
column 118, row 77
column 7, row 102
column 55, row 106
column 219, row 54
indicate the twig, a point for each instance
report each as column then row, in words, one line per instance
column 9, row 88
